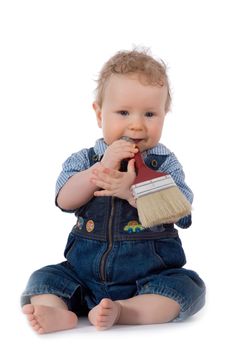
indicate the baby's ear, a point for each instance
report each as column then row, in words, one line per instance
column 98, row 113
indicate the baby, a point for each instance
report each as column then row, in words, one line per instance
column 116, row 271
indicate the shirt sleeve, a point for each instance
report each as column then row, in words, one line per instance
column 75, row 163
column 173, row 167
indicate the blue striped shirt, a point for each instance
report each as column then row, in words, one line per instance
column 79, row 161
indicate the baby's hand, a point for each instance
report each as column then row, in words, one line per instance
column 116, row 152
column 114, row 182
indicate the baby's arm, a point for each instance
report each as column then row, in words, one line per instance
column 78, row 190
column 74, row 186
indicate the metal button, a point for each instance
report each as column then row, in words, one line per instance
column 154, row 163
column 95, row 157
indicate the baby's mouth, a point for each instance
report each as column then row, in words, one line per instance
column 136, row 140
column 132, row 140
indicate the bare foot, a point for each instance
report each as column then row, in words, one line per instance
column 45, row 319
column 105, row 314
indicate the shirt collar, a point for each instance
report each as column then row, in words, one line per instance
column 100, row 147
column 159, row 149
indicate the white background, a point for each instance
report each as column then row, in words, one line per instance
column 51, row 53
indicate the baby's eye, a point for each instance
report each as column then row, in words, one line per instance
column 124, row 113
column 149, row 114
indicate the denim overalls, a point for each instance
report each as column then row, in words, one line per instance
column 110, row 255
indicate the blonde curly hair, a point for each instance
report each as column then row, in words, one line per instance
column 149, row 70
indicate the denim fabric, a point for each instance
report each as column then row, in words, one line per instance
column 110, row 255
column 132, row 268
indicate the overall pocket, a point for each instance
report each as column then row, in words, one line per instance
column 160, row 264
column 170, row 252
column 71, row 243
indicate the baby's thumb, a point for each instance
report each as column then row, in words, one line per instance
column 131, row 167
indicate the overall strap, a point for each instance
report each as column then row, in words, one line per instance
column 154, row 161
column 93, row 157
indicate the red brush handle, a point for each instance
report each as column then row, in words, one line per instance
column 143, row 172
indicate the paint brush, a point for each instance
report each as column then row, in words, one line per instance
column 159, row 200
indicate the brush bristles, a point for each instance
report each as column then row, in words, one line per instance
column 167, row 206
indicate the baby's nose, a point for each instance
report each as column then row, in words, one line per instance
column 136, row 124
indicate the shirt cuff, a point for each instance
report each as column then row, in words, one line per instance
column 185, row 222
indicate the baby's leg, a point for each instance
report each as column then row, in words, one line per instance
column 148, row 309
column 48, row 313
column 141, row 309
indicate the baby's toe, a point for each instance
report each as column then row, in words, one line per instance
column 106, row 303
column 33, row 322
column 30, row 317
column 36, row 327
column 28, row 309
column 41, row 330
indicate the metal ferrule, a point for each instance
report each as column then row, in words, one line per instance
column 151, row 186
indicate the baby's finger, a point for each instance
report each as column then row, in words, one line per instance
column 124, row 145
column 101, row 184
column 131, row 166
column 103, row 193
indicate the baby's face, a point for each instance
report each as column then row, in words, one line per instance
column 132, row 109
